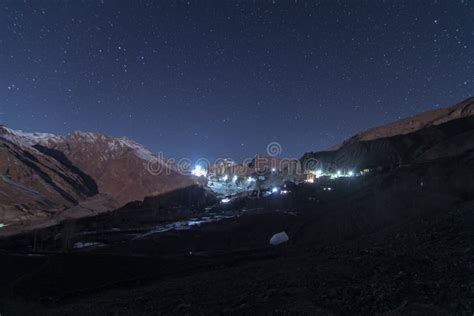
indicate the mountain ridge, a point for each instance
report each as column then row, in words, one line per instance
column 452, row 125
column 33, row 183
column 85, row 163
column 412, row 123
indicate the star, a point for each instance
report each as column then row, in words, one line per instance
column 308, row 75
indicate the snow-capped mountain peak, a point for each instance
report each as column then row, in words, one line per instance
column 119, row 165
column 27, row 139
column 22, row 138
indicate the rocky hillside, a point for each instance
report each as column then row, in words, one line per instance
column 414, row 123
column 35, row 184
column 119, row 166
column 426, row 136
column 395, row 243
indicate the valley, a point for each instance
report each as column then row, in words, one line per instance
column 375, row 227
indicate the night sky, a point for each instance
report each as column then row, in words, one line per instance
column 225, row 78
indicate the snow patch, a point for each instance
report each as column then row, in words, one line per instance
column 22, row 138
column 139, row 149
column 81, row 245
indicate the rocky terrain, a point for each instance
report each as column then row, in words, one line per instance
column 120, row 166
column 33, row 183
column 427, row 136
column 414, row 123
column 394, row 241
column 45, row 174
column 381, row 244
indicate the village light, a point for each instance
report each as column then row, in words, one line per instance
column 226, row 200
column 250, row 179
column 234, row 178
column 274, row 190
column 351, row 173
column 319, row 173
column 199, row 171
column 226, row 177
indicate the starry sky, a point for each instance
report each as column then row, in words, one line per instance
column 225, row 78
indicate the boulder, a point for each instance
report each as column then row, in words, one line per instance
column 279, row 238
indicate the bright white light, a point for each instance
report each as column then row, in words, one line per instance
column 273, row 169
column 329, row 189
column 225, row 178
column 199, row 171
column 226, row 200
column 319, row 173
column 351, row 173
column 250, row 179
column 284, row 191
column 274, row 190
column 339, row 173
column 2, row 225
column 234, row 178
column 309, row 180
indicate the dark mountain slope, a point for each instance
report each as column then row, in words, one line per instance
column 33, row 184
column 436, row 141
